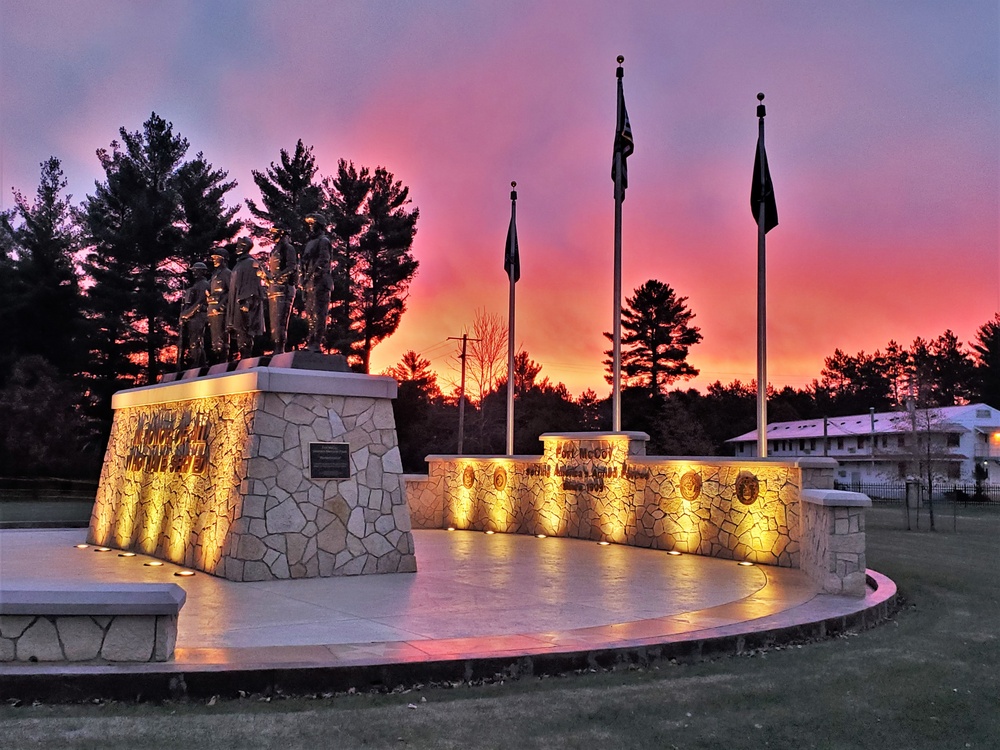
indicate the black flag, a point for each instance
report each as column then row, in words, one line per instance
column 623, row 139
column 511, row 258
column 763, row 191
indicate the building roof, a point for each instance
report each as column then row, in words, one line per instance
column 944, row 419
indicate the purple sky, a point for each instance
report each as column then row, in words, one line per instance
column 883, row 134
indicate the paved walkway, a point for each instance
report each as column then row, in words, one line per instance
column 475, row 597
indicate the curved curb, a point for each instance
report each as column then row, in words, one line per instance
column 821, row 617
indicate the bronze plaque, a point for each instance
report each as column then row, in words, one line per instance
column 747, row 488
column 691, row 485
column 468, row 477
column 500, row 478
column 329, row 461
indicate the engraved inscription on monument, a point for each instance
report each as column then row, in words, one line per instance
column 329, row 461
column 171, row 441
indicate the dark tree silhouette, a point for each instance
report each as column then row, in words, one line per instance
column 986, row 350
column 152, row 217
column 40, row 308
column 374, row 229
column 289, row 191
column 656, row 336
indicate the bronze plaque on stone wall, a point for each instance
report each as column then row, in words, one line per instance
column 329, row 461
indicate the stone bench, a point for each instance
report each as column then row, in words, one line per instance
column 89, row 622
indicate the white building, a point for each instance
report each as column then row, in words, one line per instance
column 890, row 446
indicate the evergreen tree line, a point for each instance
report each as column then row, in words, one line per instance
column 657, row 334
column 90, row 293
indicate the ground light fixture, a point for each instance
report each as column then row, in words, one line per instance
column 81, row 546
column 489, row 531
column 126, row 554
column 451, row 528
column 604, row 544
column 153, row 564
column 673, row 552
column 102, row 549
column 745, row 564
column 184, row 573
column 540, row 536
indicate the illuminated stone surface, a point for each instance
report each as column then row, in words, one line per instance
column 82, row 638
column 253, row 512
column 602, row 486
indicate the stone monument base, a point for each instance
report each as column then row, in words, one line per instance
column 259, row 473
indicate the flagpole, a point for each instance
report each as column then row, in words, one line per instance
column 616, row 371
column 761, row 291
column 510, row 334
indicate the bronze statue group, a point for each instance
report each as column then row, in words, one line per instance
column 230, row 305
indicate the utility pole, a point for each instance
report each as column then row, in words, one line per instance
column 461, row 391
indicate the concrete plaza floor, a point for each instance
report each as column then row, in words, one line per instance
column 477, row 602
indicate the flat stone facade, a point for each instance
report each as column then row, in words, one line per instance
column 82, row 638
column 215, row 474
column 602, row 486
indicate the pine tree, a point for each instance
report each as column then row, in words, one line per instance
column 41, row 284
column 656, row 336
column 152, row 217
column 986, row 350
column 374, row 229
column 289, row 191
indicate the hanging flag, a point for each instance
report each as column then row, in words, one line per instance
column 763, row 192
column 511, row 258
column 623, row 140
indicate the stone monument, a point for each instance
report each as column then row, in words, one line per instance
column 261, row 473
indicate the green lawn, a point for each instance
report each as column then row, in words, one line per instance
column 927, row 679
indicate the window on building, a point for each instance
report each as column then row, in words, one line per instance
column 812, row 444
column 953, row 471
column 802, row 445
column 954, row 439
column 861, row 442
column 840, row 444
column 901, row 469
column 982, row 413
column 901, row 441
column 885, row 441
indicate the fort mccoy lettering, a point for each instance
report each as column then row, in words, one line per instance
column 170, row 442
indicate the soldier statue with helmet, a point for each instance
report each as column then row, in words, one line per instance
column 194, row 316
column 246, row 299
column 317, row 279
column 218, row 303
column 282, row 279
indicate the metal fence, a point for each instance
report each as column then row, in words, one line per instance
column 882, row 493
column 894, row 493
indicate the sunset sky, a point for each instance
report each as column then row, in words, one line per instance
column 883, row 137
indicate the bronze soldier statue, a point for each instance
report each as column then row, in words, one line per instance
column 282, row 277
column 194, row 316
column 218, row 302
column 246, row 299
column 317, row 280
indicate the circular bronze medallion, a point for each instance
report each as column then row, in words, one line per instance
column 691, row 485
column 500, row 478
column 468, row 477
column 747, row 488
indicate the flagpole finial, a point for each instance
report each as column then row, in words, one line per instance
column 621, row 59
column 513, row 184
column 620, row 72
column 513, row 193
column 760, row 107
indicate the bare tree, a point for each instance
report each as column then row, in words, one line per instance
column 485, row 364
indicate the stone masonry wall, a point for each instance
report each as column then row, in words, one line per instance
column 222, row 484
column 602, row 487
column 81, row 638
column 833, row 547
